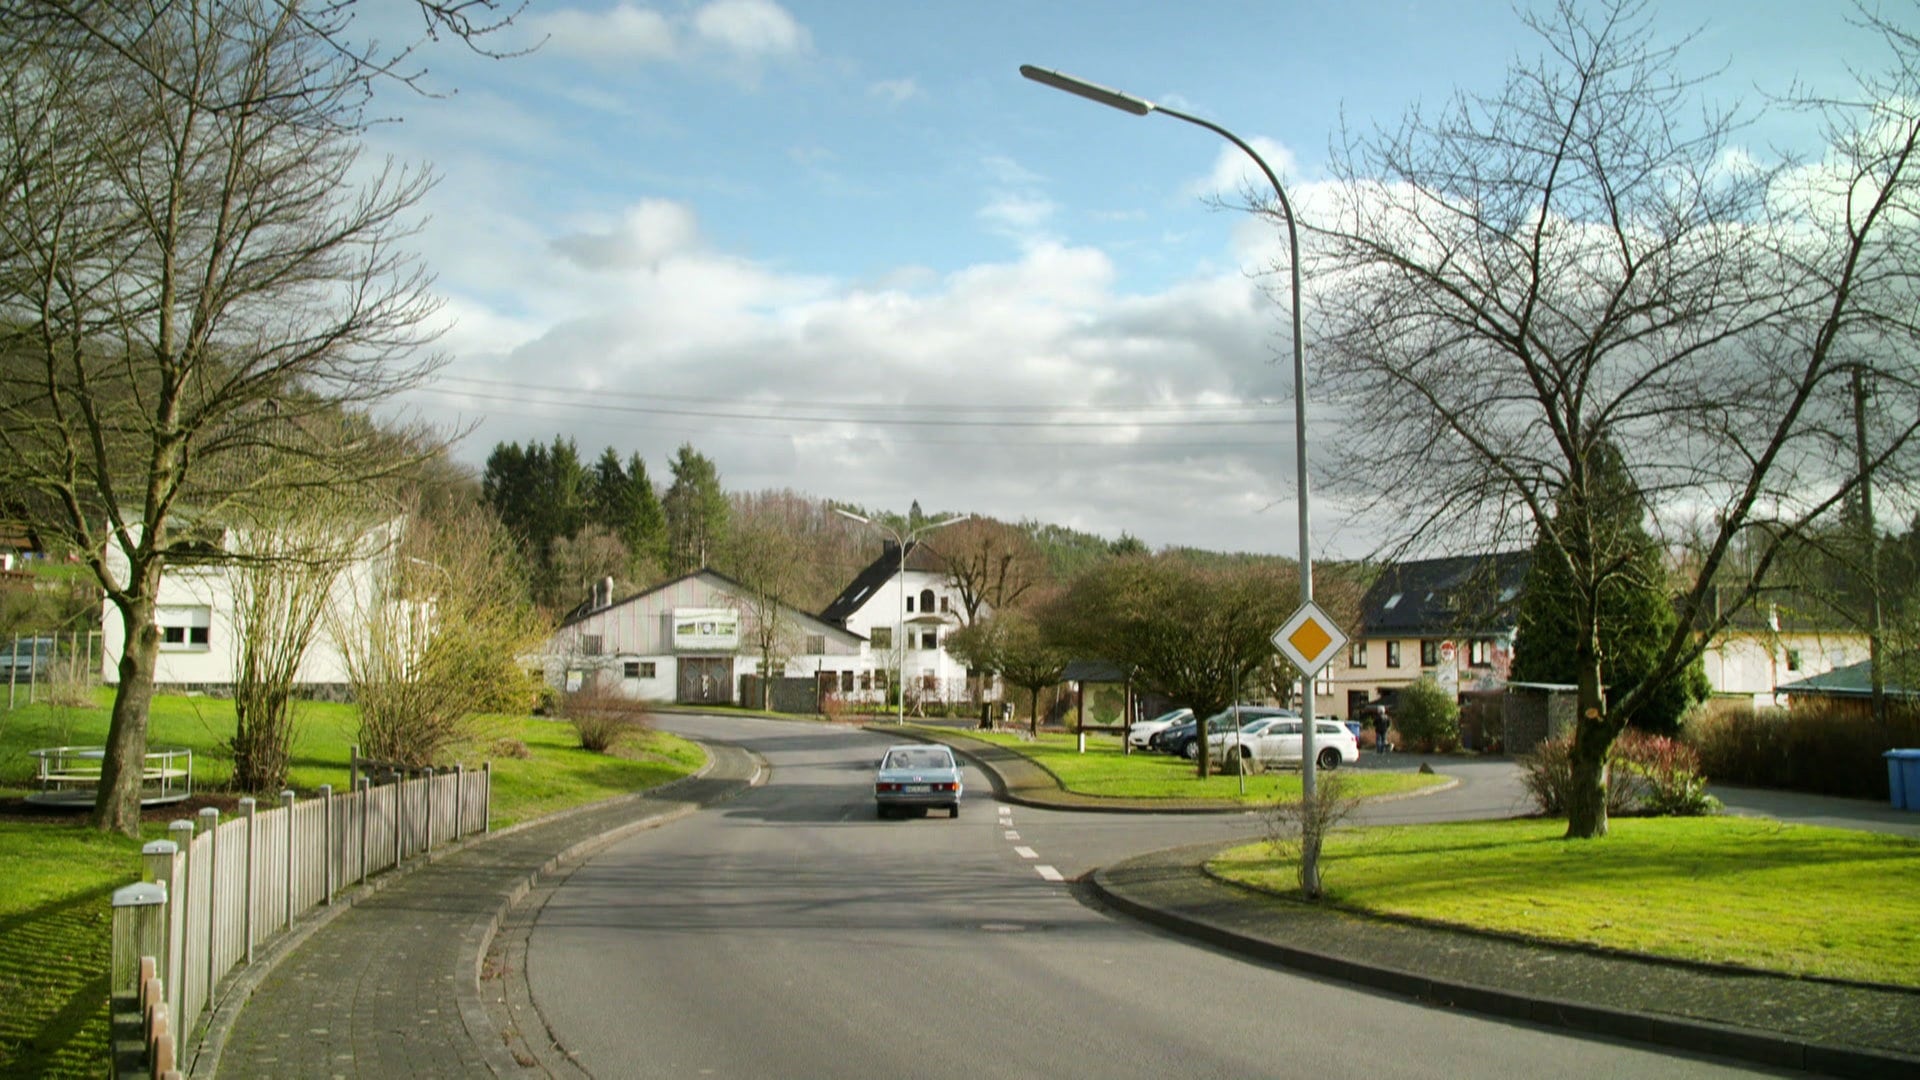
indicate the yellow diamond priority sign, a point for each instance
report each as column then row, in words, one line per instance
column 1309, row 638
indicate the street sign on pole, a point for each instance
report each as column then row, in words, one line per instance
column 1310, row 639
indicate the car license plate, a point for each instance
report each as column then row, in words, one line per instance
column 919, row 789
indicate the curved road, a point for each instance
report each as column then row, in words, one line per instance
column 789, row 933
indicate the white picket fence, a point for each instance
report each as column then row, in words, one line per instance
column 247, row 878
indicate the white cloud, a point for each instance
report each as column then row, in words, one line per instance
column 1021, row 217
column 1235, row 173
column 751, row 28
column 650, row 231
column 624, row 32
column 894, row 91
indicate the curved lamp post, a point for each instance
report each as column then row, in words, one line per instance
column 900, row 630
column 1310, row 871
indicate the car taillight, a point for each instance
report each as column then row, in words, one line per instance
column 886, row 787
column 946, row 787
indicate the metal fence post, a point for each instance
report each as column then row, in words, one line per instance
column 247, row 807
column 210, row 822
column 138, row 912
column 459, row 800
column 160, row 862
column 366, row 823
column 427, row 779
column 182, row 832
column 286, row 808
column 486, row 815
column 327, row 844
column 399, row 817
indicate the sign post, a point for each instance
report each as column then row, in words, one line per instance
column 1310, row 640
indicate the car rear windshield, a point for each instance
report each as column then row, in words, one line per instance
column 919, row 759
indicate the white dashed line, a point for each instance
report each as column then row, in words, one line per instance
column 1050, row 873
column 1012, row 835
column 1026, row 853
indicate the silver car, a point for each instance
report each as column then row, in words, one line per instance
column 917, row 777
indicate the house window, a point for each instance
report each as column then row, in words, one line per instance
column 945, row 608
column 929, row 639
column 1393, row 654
column 1429, row 653
column 926, row 600
column 184, row 628
column 880, row 680
column 909, row 603
column 866, row 680
column 1793, row 659
column 589, row 644
column 1357, row 654
column 883, row 637
column 846, row 682
column 816, row 644
column 1480, row 653
column 640, row 669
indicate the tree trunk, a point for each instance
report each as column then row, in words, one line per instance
column 1593, row 735
column 117, row 806
column 1033, row 723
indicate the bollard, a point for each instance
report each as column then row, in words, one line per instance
column 138, row 913
column 247, row 808
column 327, row 844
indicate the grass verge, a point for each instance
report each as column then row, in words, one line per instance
column 1104, row 772
column 56, row 875
column 1788, row 898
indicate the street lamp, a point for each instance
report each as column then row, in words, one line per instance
column 900, row 629
column 1310, row 871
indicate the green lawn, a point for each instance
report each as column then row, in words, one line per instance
column 56, row 876
column 1103, row 771
column 1788, row 898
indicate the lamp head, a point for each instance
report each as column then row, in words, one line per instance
column 1091, row 91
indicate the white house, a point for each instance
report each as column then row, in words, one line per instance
column 692, row 640
column 906, row 618
column 200, row 631
column 1766, row 646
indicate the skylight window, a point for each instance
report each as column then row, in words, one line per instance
column 1391, row 601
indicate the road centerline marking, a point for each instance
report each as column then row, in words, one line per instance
column 1050, row 873
column 1026, row 853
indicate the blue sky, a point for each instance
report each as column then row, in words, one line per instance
column 842, row 247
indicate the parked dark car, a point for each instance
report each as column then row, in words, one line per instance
column 1183, row 740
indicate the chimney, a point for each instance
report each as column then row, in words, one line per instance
column 603, row 594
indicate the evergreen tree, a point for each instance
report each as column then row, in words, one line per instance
column 1636, row 616
column 696, row 511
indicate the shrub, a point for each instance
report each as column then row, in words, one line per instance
column 1427, row 716
column 602, row 718
column 1287, row 820
column 509, row 748
column 1647, row 774
column 1815, row 748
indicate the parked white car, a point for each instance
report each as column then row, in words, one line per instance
column 1138, row 735
column 1277, row 740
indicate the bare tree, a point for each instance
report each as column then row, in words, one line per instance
column 767, row 561
column 437, row 634
column 988, row 563
column 1584, row 257
column 282, row 571
column 201, row 287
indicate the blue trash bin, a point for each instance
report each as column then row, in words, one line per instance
column 1903, row 778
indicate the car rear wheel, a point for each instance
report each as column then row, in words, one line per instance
column 1191, row 751
column 1329, row 759
column 954, row 810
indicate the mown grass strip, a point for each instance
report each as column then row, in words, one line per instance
column 1789, row 898
column 1104, row 772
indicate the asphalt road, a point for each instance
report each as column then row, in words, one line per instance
column 789, row 933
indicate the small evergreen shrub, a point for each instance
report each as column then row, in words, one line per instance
column 1427, row 717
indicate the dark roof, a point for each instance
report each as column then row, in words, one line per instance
column 1854, row 680
column 1462, row 594
column 877, row 573
column 587, row 608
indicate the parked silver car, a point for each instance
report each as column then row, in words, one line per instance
column 917, row 777
column 1139, row 734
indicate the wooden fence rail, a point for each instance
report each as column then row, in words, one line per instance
column 214, row 891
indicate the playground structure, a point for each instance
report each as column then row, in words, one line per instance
column 69, row 776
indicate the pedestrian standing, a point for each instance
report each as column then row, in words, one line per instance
column 1379, row 730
